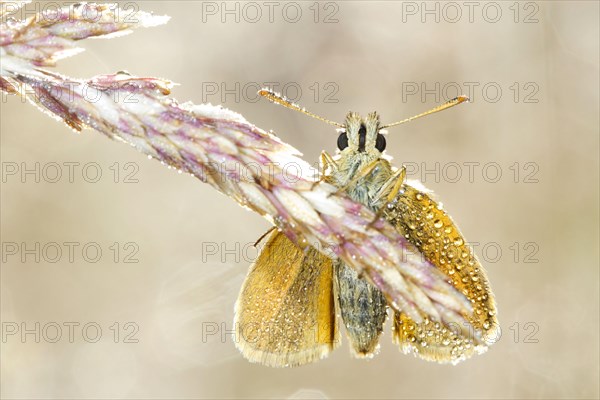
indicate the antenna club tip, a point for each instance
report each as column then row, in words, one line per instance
column 265, row 91
column 463, row 99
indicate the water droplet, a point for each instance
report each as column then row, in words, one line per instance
column 438, row 223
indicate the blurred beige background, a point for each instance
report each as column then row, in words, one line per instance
column 532, row 72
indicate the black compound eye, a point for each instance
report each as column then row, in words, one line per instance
column 380, row 143
column 342, row 142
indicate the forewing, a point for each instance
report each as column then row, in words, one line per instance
column 285, row 313
column 427, row 226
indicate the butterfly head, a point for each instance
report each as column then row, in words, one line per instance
column 361, row 135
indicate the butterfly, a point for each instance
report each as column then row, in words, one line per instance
column 287, row 308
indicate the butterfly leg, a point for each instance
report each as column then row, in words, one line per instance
column 326, row 162
column 363, row 173
column 397, row 179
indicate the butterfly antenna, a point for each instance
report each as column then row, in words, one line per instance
column 451, row 103
column 280, row 99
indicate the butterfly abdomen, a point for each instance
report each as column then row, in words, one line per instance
column 363, row 310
